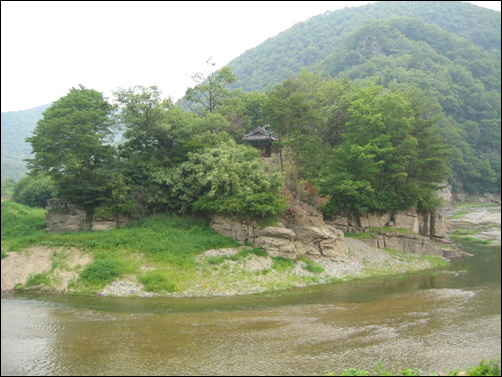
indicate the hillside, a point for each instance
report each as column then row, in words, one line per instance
column 16, row 127
column 450, row 50
column 308, row 43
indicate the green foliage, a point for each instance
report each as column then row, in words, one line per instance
column 311, row 266
column 160, row 281
column 282, row 263
column 34, row 190
column 355, row 372
column 391, row 158
column 40, row 279
column 103, row 270
column 8, row 188
column 485, row 368
column 22, row 226
column 428, row 45
column 69, row 144
column 210, row 91
column 227, row 178
column 471, row 239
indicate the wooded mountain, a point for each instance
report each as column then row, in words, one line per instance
column 16, row 127
column 450, row 50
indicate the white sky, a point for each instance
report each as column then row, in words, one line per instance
column 49, row 47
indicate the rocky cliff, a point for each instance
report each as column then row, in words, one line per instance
column 304, row 232
column 409, row 231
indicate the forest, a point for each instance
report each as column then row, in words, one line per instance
column 343, row 146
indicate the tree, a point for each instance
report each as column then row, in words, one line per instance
column 70, row 145
column 210, row 91
column 392, row 157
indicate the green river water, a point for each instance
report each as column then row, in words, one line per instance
column 439, row 320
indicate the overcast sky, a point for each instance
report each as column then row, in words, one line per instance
column 49, row 47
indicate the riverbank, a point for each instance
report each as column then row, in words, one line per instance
column 222, row 271
column 218, row 272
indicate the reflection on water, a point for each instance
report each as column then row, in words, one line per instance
column 449, row 319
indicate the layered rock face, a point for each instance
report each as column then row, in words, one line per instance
column 315, row 241
column 427, row 233
column 429, row 225
column 64, row 216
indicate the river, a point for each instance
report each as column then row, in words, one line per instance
column 440, row 320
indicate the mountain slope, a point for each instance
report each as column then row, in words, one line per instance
column 16, row 127
column 309, row 42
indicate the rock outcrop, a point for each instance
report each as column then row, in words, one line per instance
column 64, row 216
column 315, row 241
column 428, row 225
column 420, row 233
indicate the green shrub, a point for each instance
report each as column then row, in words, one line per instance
column 38, row 279
column 102, row 271
column 282, row 263
column 159, row 281
column 34, row 190
column 311, row 265
column 485, row 368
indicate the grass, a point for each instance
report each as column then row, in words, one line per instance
column 462, row 232
column 474, row 205
column 169, row 242
column 311, row 265
column 458, row 214
column 161, row 252
column 485, row 368
column 471, row 239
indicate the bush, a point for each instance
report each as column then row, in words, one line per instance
column 228, row 178
column 34, row 190
column 102, row 271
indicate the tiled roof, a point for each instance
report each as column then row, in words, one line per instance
column 259, row 133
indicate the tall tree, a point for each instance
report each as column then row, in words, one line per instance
column 392, row 157
column 210, row 91
column 70, row 144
